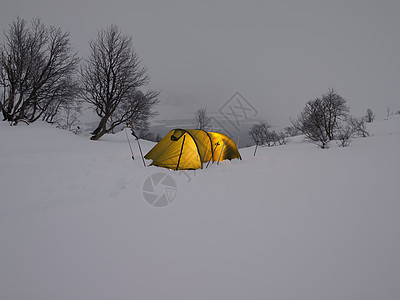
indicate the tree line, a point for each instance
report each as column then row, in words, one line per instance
column 41, row 77
column 322, row 120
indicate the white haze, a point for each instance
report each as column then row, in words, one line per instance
column 278, row 54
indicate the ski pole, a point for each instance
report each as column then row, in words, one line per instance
column 216, row 145
column 140, row 148
column 255, row 150
column 223, row 145
column 130, row 146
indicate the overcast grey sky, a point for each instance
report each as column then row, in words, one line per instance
column 277, row 53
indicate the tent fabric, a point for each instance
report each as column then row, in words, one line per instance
column 188, row 149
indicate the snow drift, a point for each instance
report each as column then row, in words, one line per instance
column 293, row 222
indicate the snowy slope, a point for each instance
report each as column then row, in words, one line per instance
column 293, row 222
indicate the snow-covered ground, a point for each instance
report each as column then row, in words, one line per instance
column 293, row 222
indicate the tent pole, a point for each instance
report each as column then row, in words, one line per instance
column 223, row 145
column 130, row 146
column 237, row 144
column 180, row 154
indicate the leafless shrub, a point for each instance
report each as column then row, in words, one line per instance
column 344, row 134
column 291, row 131
column 358, row 125
column 320, row 118
column 282, row 140
column 67, row 118
column 350, row 128
column 369, row 116
column 201, row 119
column 261, row 135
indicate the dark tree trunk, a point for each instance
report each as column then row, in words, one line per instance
column 100, row 130
column 98, row 135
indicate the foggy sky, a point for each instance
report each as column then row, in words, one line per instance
column 278, row 54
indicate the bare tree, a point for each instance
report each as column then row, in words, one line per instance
column 320, row 118
column 36, row 70
column 350, row 128
column 369, row 116
column 334, row 110
column 111, row 77
column 262, row 136
column 344, row 134
column 311, row 123
column 358, row 126
column 202, row 120
column 259, row 133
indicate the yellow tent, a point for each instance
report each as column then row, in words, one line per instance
column 188, row 149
